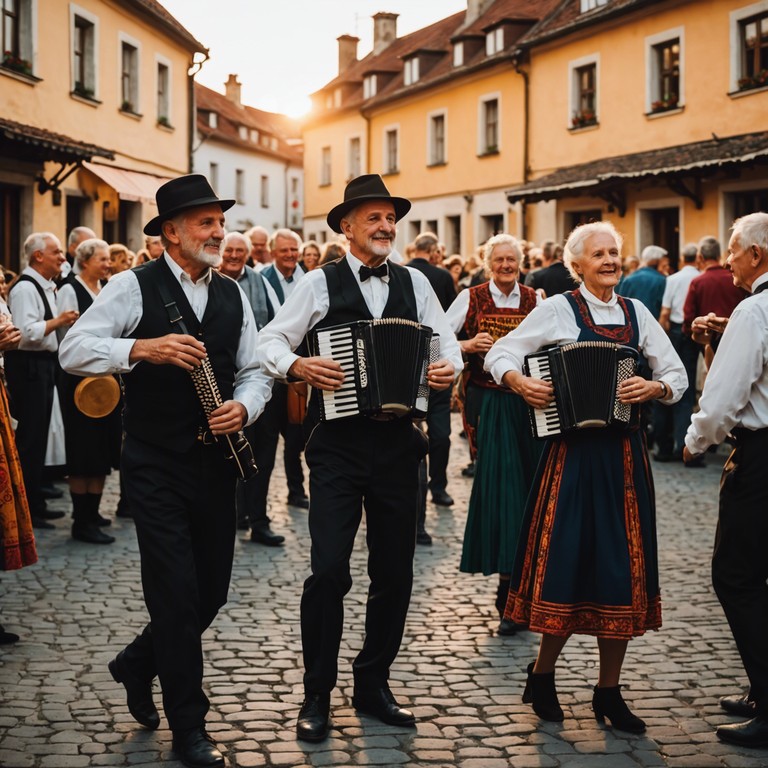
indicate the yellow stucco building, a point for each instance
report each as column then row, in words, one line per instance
column 96, row 115
column 530, row 117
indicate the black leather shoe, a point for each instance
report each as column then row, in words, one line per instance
column 263, row 535
column 442, row 499
column 140, row 703
column 101, row 521
column 381, row 704
column 753, row 733
column 469, row 470
column 508, row 627
column 40, row 524
column 196, row 749
column 50, row 514
column 742, row 706
column 51, row 492
column 7, row 638
column 302, row 502
column 90, row 534
column 314, row 717
column 422, row 537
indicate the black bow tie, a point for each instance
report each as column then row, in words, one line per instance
column 366, row 272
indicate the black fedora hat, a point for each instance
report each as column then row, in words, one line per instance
column 363, row 188
column 178, row 195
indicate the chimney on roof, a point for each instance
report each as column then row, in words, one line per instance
column 474, row 9
column 347, row 51
column 232, row 89
column 384, row 31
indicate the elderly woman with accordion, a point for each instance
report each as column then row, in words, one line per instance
column 495, row 419
column 587, row 559
column 92, row 428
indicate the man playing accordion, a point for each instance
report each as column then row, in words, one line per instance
column 358, row 460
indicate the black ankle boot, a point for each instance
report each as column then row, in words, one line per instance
column 608, row 702
column 502, row 592
column 541, row 693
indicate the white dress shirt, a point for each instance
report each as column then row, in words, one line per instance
column 96, row 343
column 553, row 322
column 309, row 304
column 675, row 291
column 457, row 312
column 28, row 313
column 289, row 286
column 736, row 390
column 66, row 301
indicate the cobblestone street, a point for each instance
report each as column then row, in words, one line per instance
column 81, row 603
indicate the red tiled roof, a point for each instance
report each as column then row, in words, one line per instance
column 434, row 38
column 154, row 9
column 680, row 161
column 38, row 143
column 231, row 116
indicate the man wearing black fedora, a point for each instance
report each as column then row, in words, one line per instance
column 178, row 483
column 357, row 461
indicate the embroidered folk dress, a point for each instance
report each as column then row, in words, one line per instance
column 586, row 561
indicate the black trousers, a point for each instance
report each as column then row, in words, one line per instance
column 355, row 463
column 184, row 509
column 739, row 563
column 263, row 436
column 439, row 432
column 31, row 380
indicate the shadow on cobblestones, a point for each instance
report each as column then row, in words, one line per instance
column 59, row 707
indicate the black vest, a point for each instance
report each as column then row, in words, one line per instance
column 161, row 406
column 347, row 305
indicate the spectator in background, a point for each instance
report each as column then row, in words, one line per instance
column 670, row 424
column 647, row 283
column 31, row 369
column 332, row 251
column 142, row 257
column 154, row 246
column 555, row 278
column 310, row 256
column 455, row 265
column 120, row 258
column 76, row 236
column 260, row 255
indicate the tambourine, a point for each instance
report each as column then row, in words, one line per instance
column 97, row 396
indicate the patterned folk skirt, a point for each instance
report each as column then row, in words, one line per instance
column 17, row 540
column 506, row 465
column 587, row 558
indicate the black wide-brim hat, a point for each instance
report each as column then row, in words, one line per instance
column 360, row 190
column 180, row 194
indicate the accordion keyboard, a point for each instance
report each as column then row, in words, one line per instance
column 338, row 344
column 547, row 419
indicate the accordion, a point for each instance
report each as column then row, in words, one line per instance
column 385, row 367
column 586, row 376
column 498, row 326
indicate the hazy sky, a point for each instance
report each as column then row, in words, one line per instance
column 283, row 50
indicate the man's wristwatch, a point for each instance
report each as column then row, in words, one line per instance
column 664, row 390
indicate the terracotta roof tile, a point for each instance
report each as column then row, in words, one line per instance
column 231, row 116
column 159, row 13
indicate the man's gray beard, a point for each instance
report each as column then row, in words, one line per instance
column 207, row 259
column 377, row 247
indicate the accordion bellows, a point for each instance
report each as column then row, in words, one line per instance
column 586, row 376
column 385, row 367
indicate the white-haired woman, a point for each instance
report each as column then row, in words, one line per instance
column 495, row 420
column 92, row 444
column 587, row 559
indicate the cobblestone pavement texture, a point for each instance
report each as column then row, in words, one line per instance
column 59, row 707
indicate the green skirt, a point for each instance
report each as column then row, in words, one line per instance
column 507, row 456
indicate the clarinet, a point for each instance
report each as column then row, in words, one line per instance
column 236, row 447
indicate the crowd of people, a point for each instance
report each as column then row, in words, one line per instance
column 232, row 325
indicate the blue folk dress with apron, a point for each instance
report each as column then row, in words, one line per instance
column 587, row 559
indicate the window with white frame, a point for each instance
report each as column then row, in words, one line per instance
column 369, row 86
column 84, row 47
column 254, row 135
column 354, row 161
column 325, row 166
column 240, row 185
column 589, row 5
column 213, row 175
column 411, row 70
column 458, row 54
column 337, row 97
column 213, row 120
column 129, row 76
column 164, row 92
column 749, row 43
column 264, row 191
column 664, row 58
column 392, row 150
column 242, row 132
column 583, row 101
column 16, row 35
column 494, row 41
column 489, row 125
column 436, row 138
